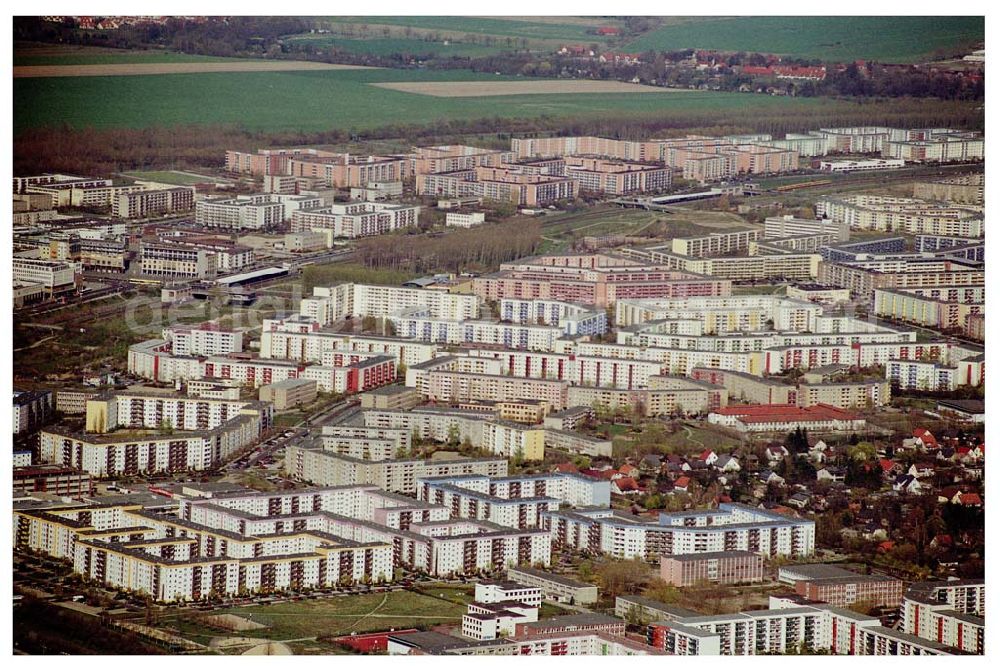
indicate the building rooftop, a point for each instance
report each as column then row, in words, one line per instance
column 554, row 578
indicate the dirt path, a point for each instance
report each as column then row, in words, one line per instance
column 145, row 68
column 35, row 344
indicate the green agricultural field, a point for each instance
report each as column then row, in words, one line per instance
column 901, row 39
column 47, row 54
column 552, row 29
column 322, row 100
column 381, row 46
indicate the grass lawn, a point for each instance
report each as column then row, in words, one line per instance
column 342, row 615
column 330, row 274
column 901, row 39
column 169, row 177
column 322, row 100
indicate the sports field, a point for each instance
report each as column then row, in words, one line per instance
column 902, row 39
column 323, row 100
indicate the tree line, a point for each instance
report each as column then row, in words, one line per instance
column 465, row 250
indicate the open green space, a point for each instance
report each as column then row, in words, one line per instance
column 901, row 39
column 560, row 230
column 342, row 615
column 387, row 46
column 323, row 100
column 169, row 177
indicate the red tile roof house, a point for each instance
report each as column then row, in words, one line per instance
column 682, row 484
column 926, row 437
column 626, row 485
column 629, row 470
column 708, row 456
column 968, row 499
column 889, row 466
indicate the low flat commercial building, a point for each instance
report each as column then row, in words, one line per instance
column 818, row 293
column 393, row 396
column 55, row 479
column 642, row 611
column 848, row 166
column 554, row 586
column 784, row 226
column 55, row 278
column 578, row 443
column 289, row 393
column 464, row 220
column 727, row 568
column 607, row 624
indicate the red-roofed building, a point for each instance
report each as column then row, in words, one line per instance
column 781, row 418
column 968, row 499
column 890, row 466
column 926, row 436
column 608, row 31
column 566, row 467
column 626, row 485
column 708, row 456
column 629, row 470
column 682, row 484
